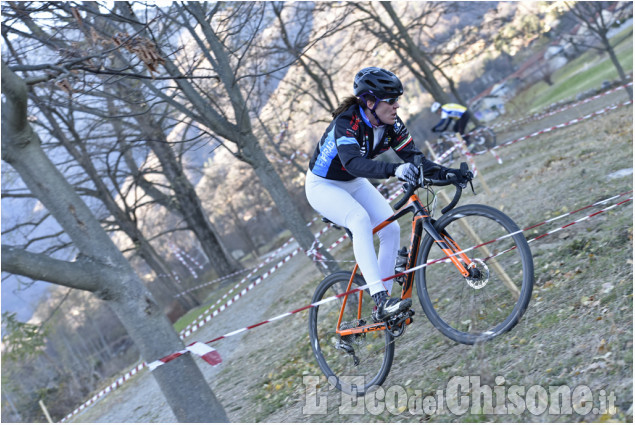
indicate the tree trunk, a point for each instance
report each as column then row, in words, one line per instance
column 111, row 277
column 189, row 204
column 286, row 206
column 417, row 56
column 241, row 132
column 126, row 224
column 240, row 227
column 618, row 66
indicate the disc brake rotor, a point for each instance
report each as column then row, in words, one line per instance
column 483, row 271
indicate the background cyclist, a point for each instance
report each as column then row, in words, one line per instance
column 364, row 126
column 451, row 113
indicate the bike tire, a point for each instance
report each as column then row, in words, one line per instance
column 375, row 350
column 458, row 308
column 482, row 139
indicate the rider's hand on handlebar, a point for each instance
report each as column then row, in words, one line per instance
column 407, row 172
column 461, row 177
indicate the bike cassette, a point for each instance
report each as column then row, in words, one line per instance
column 346, row 342
column 396, row 325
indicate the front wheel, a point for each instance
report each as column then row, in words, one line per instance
column 352, row 363
column 493, row 298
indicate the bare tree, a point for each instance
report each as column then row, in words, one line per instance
column 100, row 267
column 123, row 214
column 91, row 55
column 221, row 108
column 598, row 17
column 320, row 73
column 411, row 30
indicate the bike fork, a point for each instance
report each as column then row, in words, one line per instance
column 450, row 248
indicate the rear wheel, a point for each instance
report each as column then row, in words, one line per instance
column 492, row 300
column 352, row 363
column 482, row 139
column 443, row 145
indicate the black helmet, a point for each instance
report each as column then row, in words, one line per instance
column 379, row 82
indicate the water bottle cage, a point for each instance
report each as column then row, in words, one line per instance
column 400, row 265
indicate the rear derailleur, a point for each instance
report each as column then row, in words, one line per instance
column 346, row 341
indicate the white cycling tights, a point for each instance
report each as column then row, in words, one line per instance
column 357, row 205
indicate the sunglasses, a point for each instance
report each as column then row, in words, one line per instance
column 391, row 100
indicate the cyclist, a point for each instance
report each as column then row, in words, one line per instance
column 364, row 126
column 451, row 112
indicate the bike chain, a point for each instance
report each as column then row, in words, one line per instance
column 394, row 339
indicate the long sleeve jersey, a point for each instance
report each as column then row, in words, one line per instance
column 347, row 148
column 449, row 112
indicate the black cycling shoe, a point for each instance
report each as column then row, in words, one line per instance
column 389, row 307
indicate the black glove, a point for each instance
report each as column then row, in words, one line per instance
column 460, row 176
column 408, row 173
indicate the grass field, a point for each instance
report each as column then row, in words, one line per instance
column 584, row 73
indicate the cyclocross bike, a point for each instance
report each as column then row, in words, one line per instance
column 475, row 285
column 481, row 140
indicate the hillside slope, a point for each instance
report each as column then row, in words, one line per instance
column 577, row 330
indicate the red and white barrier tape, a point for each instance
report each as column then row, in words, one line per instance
column 212, row 357
column 447, row 153
column 537, row 133
column 128, row 375
column 196, row 326
column 119, row 382
column 566, row 124
column 186, row 255
column 258, row 267
column 541, row 115
column 203, row 319
column 495, row 154
column 182, row 261
column 202, row 285
column 361, row 288
column 478, row 246
column 228, row 293
column 207, row 353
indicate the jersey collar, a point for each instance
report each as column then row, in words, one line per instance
column 366, row 120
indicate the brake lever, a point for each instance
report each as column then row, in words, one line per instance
column 472, row 187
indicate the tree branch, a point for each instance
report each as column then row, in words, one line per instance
column 83, row 274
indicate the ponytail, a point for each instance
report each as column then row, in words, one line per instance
column 347, row 103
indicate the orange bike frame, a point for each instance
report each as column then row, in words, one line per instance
column 421, row 221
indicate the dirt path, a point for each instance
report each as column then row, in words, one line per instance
column 252, row 381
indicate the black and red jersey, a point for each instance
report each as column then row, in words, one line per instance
column 347, row 148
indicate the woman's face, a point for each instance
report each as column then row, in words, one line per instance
column 386, row 112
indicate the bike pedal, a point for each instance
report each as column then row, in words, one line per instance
column 410, row 319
